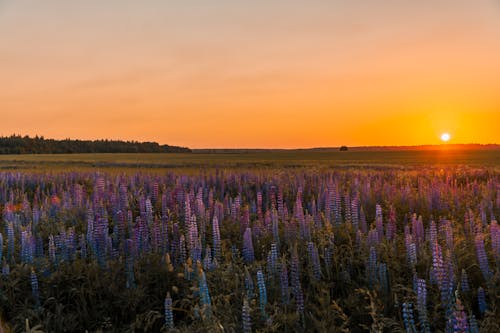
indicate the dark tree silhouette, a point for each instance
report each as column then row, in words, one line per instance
column 16, row 144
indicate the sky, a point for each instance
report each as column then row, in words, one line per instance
column 247, row 74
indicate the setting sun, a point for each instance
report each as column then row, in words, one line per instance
column 445, row 137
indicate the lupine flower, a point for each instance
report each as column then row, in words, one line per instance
column 249, row 286
column 371, row 267
column 314, row 260
column 216, row 239
column 5, row 269
column 295, row 281
column 482, row 258
column 248, row 254
column 246, row 318
column 473, row 326
column 481, row 300
column 408, row 320
column 10, row 241
column 379, row 222
column 34, row 288
column 459, row 319
column 205, row 301
column 169, row 316
column 382, row 278
column 464, row 282
column 272, row 260
column 422, row 305
column 262, row 293
column 285, row 294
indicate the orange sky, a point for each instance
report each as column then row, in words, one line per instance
column 252, row 73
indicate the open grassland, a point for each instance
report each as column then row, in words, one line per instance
column 287, row 159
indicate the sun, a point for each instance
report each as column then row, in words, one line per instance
column 445, row 137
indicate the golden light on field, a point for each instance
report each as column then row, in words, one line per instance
column 445, row 137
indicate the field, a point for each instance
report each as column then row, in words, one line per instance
column 358, row 241
column 287, row 159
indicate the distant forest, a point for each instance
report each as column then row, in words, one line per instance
column 16, row 144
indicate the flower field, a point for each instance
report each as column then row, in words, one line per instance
column 351, row 249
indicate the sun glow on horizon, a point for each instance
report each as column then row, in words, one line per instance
column 445, row 137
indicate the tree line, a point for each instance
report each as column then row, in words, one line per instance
column 17, row 144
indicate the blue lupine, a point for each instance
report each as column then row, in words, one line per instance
column 10, row 241
column 481, row 300
column 382, row 278
column 408, row 319
column 169, row 316
column 5, row 269
column 205, row 301
column 473, row 326
column 262, row 293
column 34, row 288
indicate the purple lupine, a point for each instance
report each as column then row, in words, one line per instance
column 295, row 281
column 262, row 293
column 371, row 267
column 246, row 317
column 440, row 273
column 355, row 213
column 272, row 260
column 464, row 284
column 314, row 263
column 495, row 240
column 34, row 288
column 284, row 288
column 481, row 257
column 216, row 239
column 422, row 305
column 411, row 250
column 379, row 222
column 362, row 221
column 248, row 254
column 459, row 319
column 391, row 224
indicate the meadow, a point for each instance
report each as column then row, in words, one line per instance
column 258, row 242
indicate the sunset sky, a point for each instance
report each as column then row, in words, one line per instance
column 252, row 73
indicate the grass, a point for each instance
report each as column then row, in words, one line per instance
column 473, row 158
